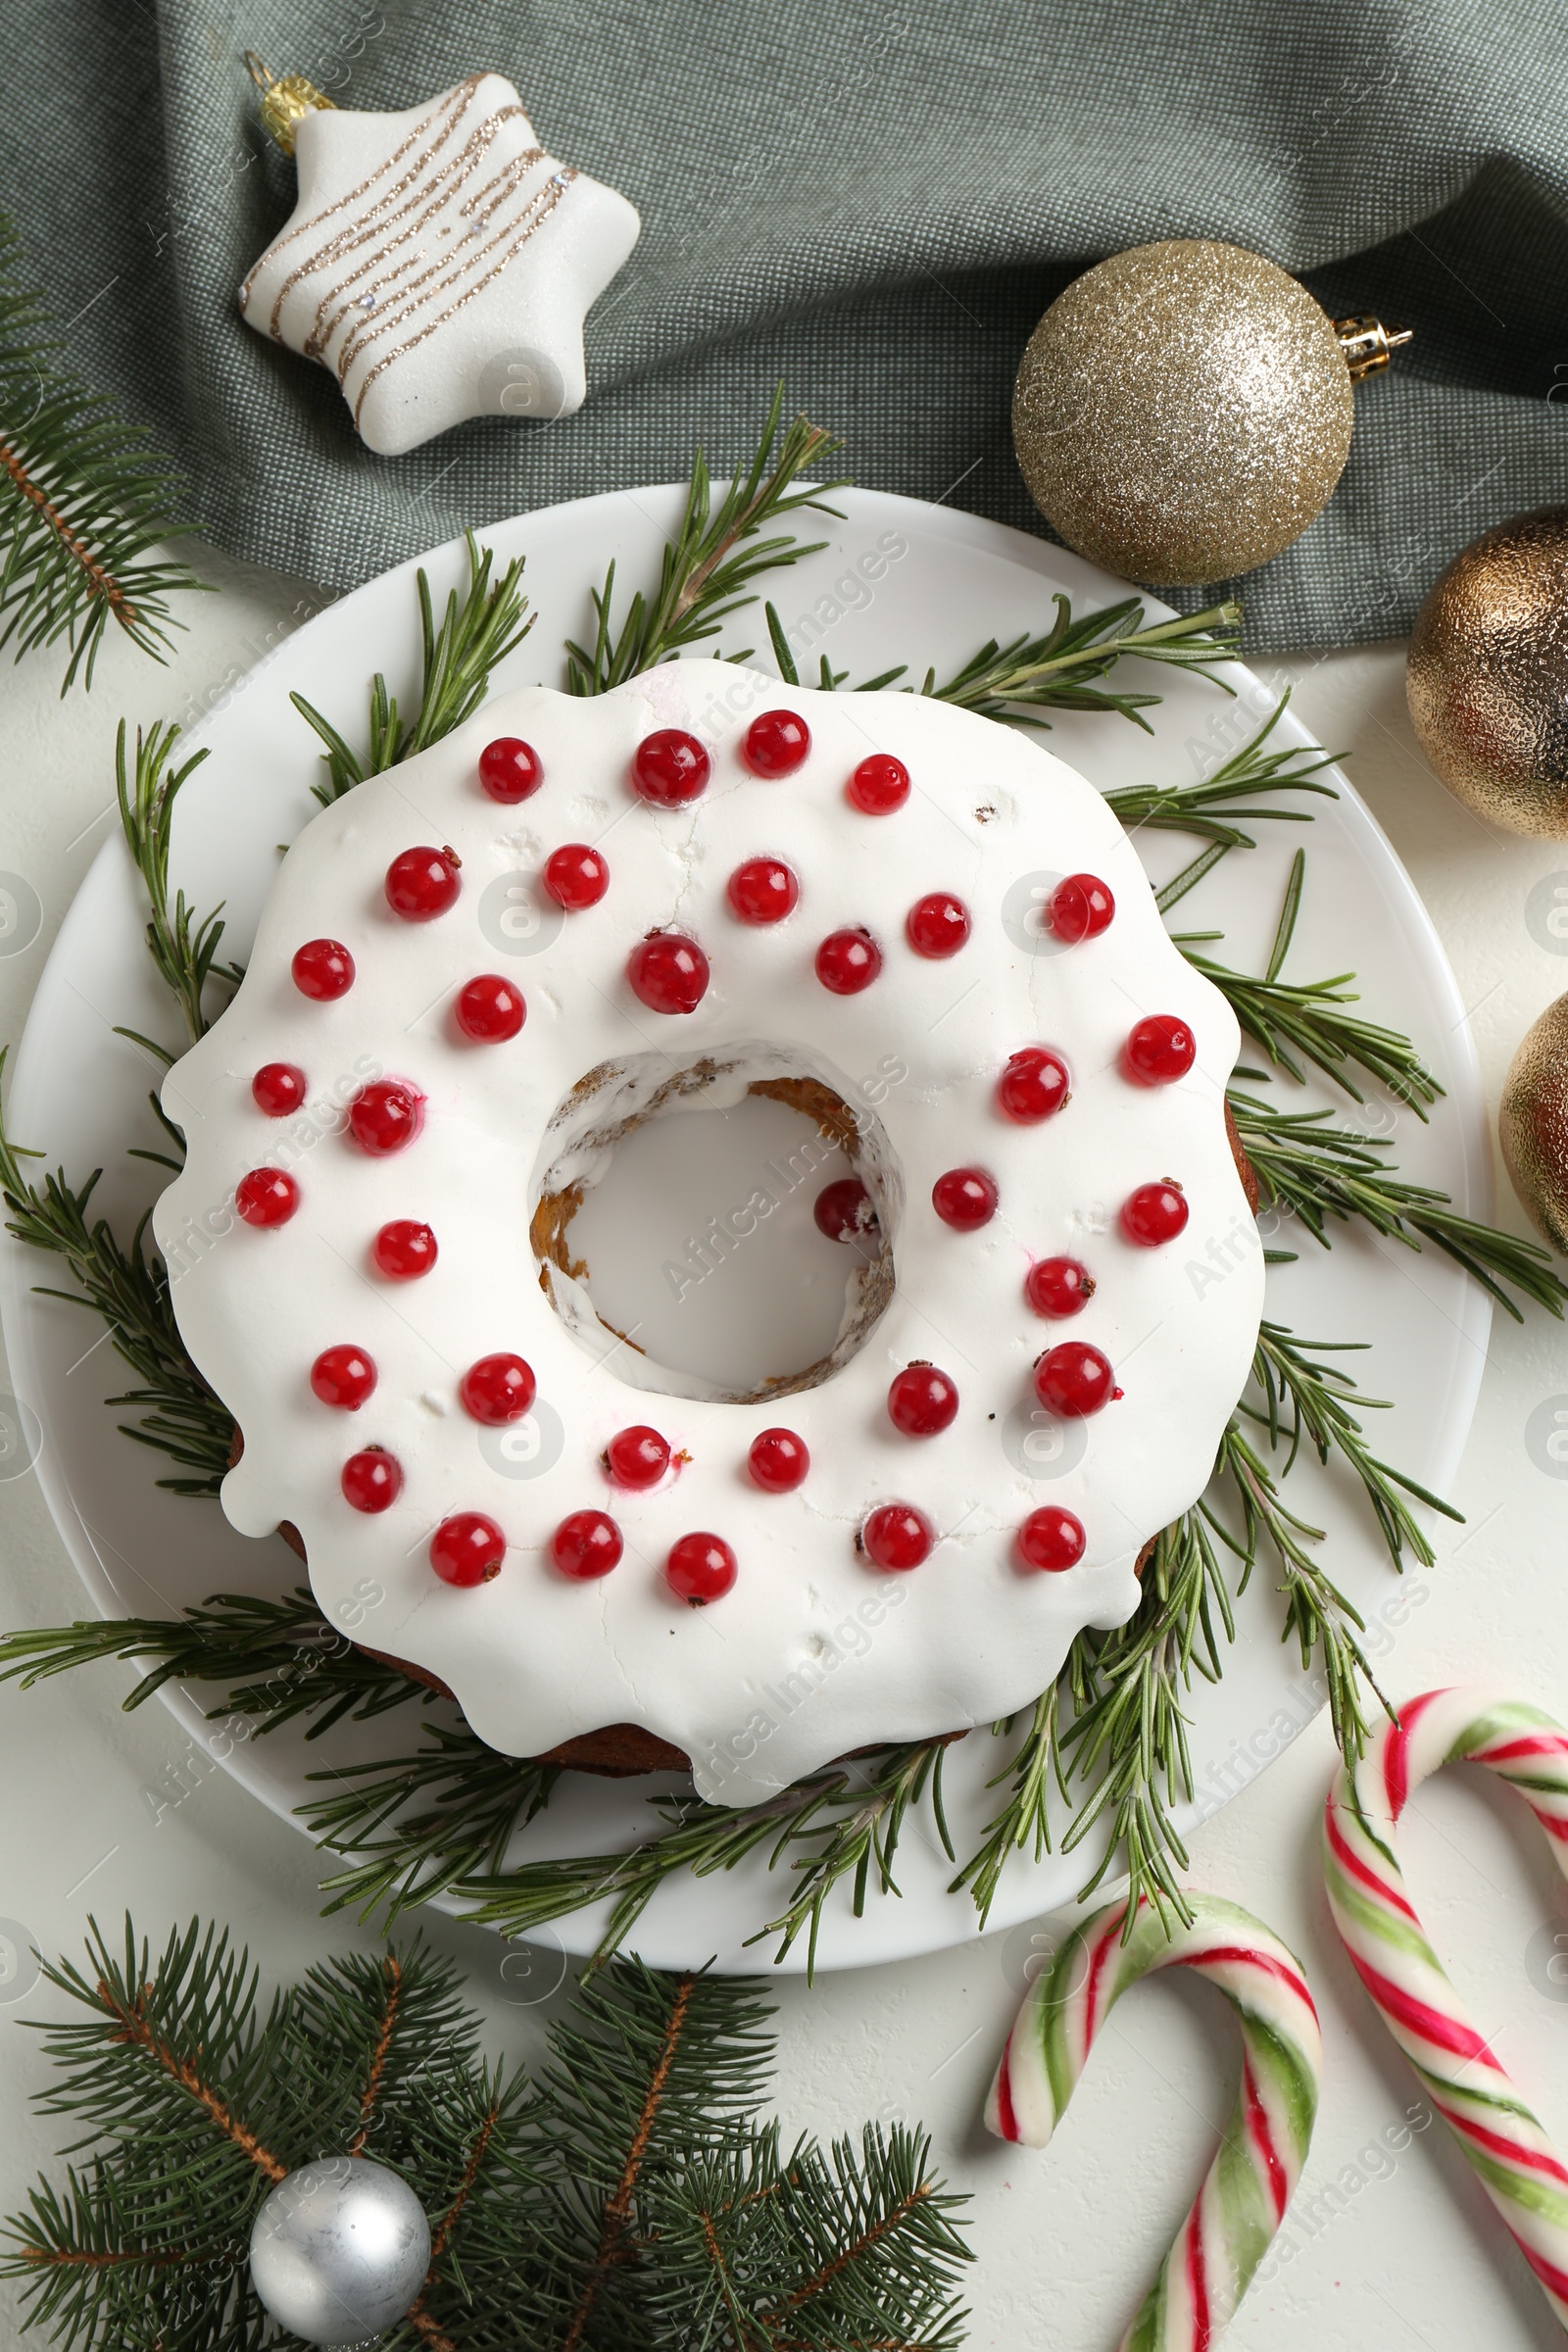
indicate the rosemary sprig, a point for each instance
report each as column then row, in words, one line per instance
column 711, row 562
column 183, row 949
column 1309, row 1019
column 477, row 632
column 474, row 1799
column 1117, row 1710
column 128, row 1290
column 1311, row 1395
column 1317, row 1171
column 279, row 1658
column 1317, row 1614
column 1253, row 771
column 848, row 1818
column 1056, row 671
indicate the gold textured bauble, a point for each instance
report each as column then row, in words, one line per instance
column 1183, row 411
column 1488, row 674
column 1533, row 1124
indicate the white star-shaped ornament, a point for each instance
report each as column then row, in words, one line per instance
column 440, row 264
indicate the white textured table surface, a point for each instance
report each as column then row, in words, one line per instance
column 1390, row 2241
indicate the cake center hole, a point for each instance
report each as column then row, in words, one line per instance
column 698, row 1242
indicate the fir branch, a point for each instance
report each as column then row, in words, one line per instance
column 708, row 568
column 878, row 2280
column 1056, row 670
column 179, row 1415
column 1286, row 1018
column 83, row 499
column 183, row 949
column 1315, row 1172
column 475, row 634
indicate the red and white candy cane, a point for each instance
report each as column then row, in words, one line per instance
column 1517, row 2162
column 1245, row 2190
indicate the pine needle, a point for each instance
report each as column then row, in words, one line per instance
column 83, row 499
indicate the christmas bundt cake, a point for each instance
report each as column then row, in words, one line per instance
column 478, row 973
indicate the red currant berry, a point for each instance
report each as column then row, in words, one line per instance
column 965, row 1198
column 848, row 961
column 700, row 1568
column 322, row 969
column 844, row 1210
column 277, row 1088
column 371, row 1481
column 343, row 1377
column 669, row 767
column 668, row 972
column 1059, row 1287
column 879, row 785
column 778, row 1460
column 576, row 876
column 385, row 1116
column 1080, row 908
column 586, row 1545
column 421, row 884
column 763, row 891
column 896, row 1535
column 266, row 1197
column 1033, row 1087
column 776, row 743
column 404, row 1249
column 490, row 1009
column 510, row 770
column 468, row 1549
column 1154, row 1214
column 1050, row 1540
column 922, row 1400
column 938, row 925
column 1160, row 1050
column 1074, row 1380
column 498, row 1389
column 637, row 1457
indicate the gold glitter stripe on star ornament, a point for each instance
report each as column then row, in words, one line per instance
column 440, row 262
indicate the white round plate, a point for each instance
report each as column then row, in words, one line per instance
column 944, row 582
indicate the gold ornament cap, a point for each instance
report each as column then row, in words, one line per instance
column 285, row 101
column 1184, row 410
column 1486, row 678
column 1533, row 1124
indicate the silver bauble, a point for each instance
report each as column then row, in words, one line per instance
column 339, row 2251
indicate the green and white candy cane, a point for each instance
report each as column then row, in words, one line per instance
column 1259, row 2159
column 1515, row 2162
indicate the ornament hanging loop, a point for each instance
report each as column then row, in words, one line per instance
column 1366, row 343
column 285, row 102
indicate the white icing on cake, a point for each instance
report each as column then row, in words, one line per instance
column 814, row 1651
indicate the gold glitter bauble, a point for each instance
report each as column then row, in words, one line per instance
column 1183, row 411
column 1488, row 674
column 1533, row 1124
